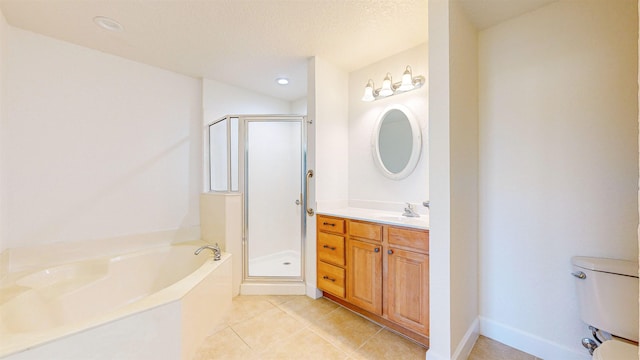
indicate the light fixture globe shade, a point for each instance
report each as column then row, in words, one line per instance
column 368, row 93
column 407, row 80
column 386, row 89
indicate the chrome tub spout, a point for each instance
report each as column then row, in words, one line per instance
column 217, row 253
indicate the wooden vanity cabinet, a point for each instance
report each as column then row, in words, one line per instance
column 407, row 285
column 364, row 272
column 385, row 271
column 331, row 259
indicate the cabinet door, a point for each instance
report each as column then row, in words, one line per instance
column 407, row 289
column 365, row 276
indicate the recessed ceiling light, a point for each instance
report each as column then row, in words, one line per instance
column 108, row 23
column 282, row 81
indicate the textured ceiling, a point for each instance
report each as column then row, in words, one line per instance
column 244, row 43
column 248, row 43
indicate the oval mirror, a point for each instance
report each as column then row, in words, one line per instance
column 396, row 142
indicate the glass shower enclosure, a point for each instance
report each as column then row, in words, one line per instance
column 264, row 158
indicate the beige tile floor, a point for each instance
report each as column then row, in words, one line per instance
column 488, row 349
column 298, row 327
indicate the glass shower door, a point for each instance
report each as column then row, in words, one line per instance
column 274, row 210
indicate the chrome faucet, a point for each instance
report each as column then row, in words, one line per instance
column 410, row 211
column 217, row 253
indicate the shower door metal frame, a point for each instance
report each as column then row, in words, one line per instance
column 229, row 147
column 243, row 168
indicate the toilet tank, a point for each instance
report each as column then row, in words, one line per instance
column 608, row 294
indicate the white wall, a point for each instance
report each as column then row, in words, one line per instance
column 220, row 99
column 328, row 111
column 453, row 176
column 95, row 145
column 558, row 165
column 330, row 116
column 366, row 182
column 299, row 107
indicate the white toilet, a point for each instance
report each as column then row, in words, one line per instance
column 608, row 300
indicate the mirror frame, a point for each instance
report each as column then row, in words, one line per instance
column 416, row 149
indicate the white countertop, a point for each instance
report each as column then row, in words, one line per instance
column 379, row 216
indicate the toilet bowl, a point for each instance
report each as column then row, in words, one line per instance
column 616, row 350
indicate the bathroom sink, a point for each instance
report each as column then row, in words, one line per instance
column 387, row 217
column 393, row 218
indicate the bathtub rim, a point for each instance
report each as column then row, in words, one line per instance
column 13, row 344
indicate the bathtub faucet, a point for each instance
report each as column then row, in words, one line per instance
column 217, row 253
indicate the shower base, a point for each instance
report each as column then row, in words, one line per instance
column 272, row 275
column 283, row 263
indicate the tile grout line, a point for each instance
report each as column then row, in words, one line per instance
column 283, row 338
column 240, row 337
column 347, row 354
column 369, row 339
column 310, row 328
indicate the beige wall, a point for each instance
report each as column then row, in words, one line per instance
column 453, row 176
column 95, row 145
column 3, row 55
column 464, row 181
column 558, row 165
column 440, row 307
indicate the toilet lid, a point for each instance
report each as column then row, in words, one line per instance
column 615, row 350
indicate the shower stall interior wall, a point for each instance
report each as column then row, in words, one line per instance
column 264, row 158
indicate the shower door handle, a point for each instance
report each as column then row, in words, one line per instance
column 306, row 193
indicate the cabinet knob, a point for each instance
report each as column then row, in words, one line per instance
column 328, row 278
column 376, row 250
column 329, row 247
column 389, row 251
column 328, row 224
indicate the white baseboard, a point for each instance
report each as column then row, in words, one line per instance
column 433, row 356
column 529, row 343
column 313, row 292
column 464, row 346
column 468, row 340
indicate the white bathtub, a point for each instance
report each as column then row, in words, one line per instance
column 153, row 304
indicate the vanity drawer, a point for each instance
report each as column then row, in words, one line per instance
column 331, row 279
column 331, row 248
column 415, row 239
column 365, row 230
column 331, row 224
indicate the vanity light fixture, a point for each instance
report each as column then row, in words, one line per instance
column 409, row 82
column 386, row 87
column 368, row 91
